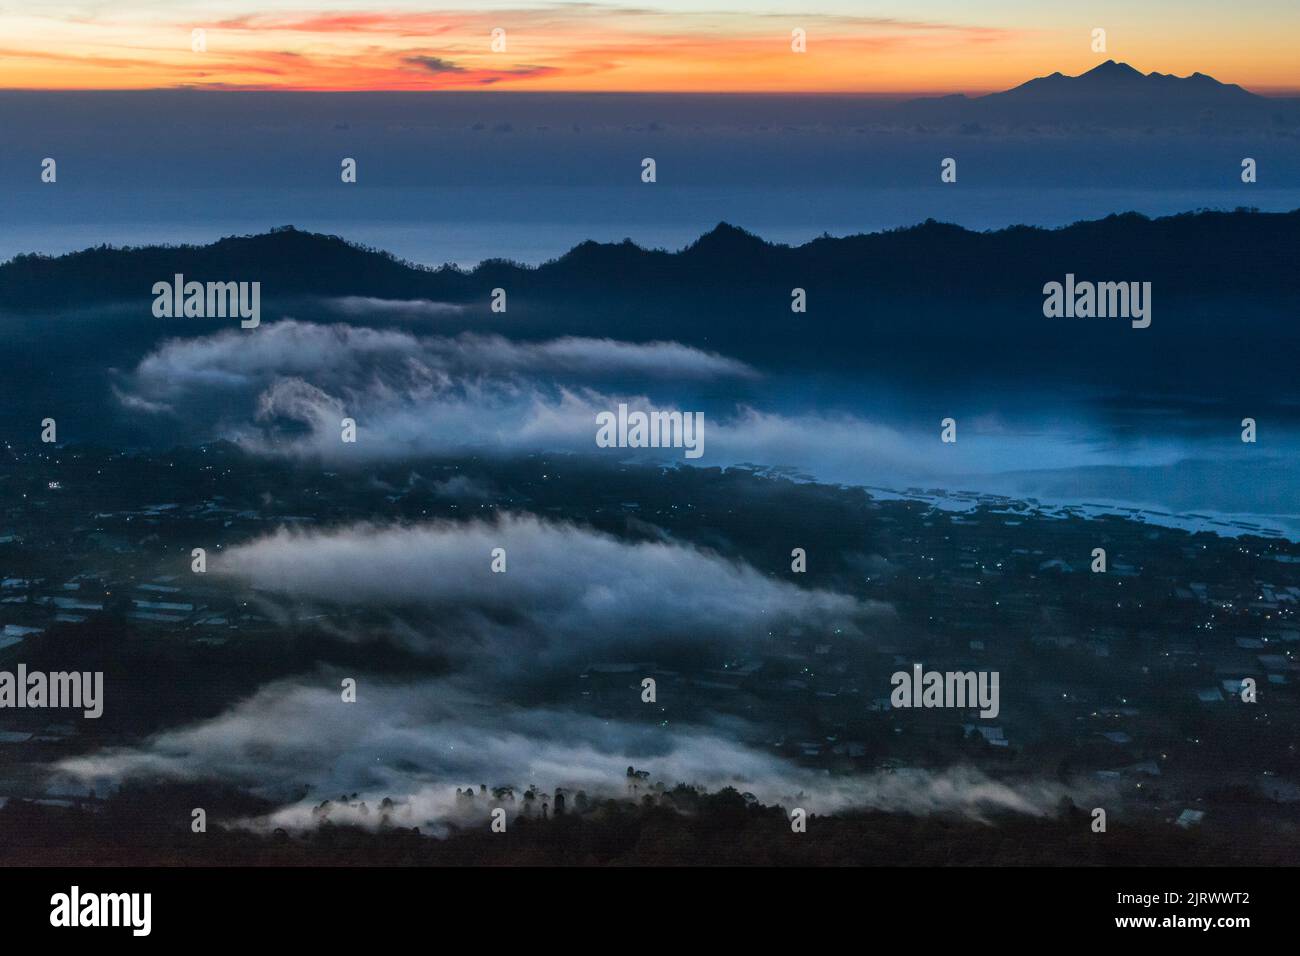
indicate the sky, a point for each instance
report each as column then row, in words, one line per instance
column 895, row 47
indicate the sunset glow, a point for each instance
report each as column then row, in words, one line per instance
column 657, row 46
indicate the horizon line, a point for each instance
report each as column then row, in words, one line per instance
column 973, row 92
column 1266, row 92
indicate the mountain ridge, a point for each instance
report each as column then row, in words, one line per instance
column 921, row 304
column 293, row 261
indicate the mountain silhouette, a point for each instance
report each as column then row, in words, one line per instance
column 1189, row 254
column 1111, row 94
column 1120, row 79
column 918, row 301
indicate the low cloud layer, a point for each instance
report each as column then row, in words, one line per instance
column 369, row 307
column 417, row 742
column 353, row 358
column 287, row 391
column 568, row 594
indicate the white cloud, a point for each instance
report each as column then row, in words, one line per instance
column 569, row 592
column 417, row 742
column 378, row 362
column 285, row 390
column 368, row 307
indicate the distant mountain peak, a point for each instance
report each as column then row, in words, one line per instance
column 1114, row 76
column 1111, row 68
column 1110, row 95
column 726, row 236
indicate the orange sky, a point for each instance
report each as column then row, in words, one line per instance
column 660, row 45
